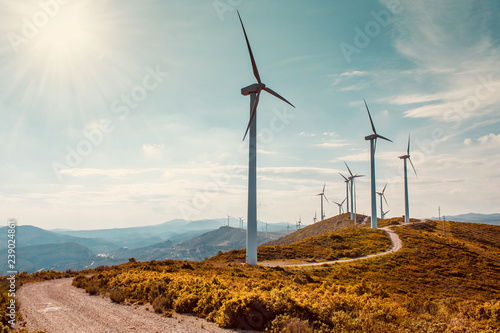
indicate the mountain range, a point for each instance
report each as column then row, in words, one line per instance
column 40, row 249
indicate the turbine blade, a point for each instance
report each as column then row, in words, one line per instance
column 324, row 187
column 384, row 189
column 371, row 121
column 326, row 198
column 252, row 115
column 409, row 159
column 275, row 94
column 408, row 150
column 343, row 177
column 254, row 66
column 383, row 196
column 384, row 138
column 348, row 169
column 343, row 201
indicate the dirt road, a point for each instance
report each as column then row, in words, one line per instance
column 396, row 246
column 56, row 306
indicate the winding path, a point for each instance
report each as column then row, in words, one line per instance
column 396, row 246
column 56, row 306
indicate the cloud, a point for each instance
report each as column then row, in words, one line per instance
column 347, row 76
column 356, row 87
column 490, row 138
column 333, row 144
column 152, row 148
column 468, row 141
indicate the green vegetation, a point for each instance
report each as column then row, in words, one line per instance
column 434, row 284
column 345, row 243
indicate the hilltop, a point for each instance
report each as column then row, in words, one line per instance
column 346, row 242
column 331, row 224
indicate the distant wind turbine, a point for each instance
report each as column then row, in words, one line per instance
column 241, row 222
column 352, row 192
column 381, row 203
column 346, row 181
column 322, row 194
column 404, row 158
column 315, row 219
column 384, row 214
column 228, row 219
column 254, row 91
column 340, row 205
column 299, row 223
column 373, row 145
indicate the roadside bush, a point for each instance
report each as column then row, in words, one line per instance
column 161, row 304
column 92, row 289
column 117, row 296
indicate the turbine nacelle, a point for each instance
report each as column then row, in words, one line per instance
column 253, row 88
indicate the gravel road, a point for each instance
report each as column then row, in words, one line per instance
column 56, row 306
column 396, row 246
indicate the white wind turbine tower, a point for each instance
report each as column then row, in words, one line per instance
column 373, row 145
column 254, row 91
column 322, row 194
column 352, row 192
column 340, row 205
column 382, row 195
column 404, row 158
column 346, row 181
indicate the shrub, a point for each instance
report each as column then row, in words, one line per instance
column 247, row 311
column 117, row 296
column 161, row 304
column 285, row 324
column 92, row 289
column 186, row 303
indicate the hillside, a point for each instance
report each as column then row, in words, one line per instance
column 434, row 284
column 328, row 225
column 474, row 218
column 349, row 242
column 28, row 235
column 51, row 256
column 196, row 248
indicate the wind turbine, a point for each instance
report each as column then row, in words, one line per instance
column 254, row 91
column 322, row 194
column 353, row 194
column 385, row 213
column 373, row 145
column 381, row 206
column 315, row 219
column 241, row 222
column 404, row 158
column 340, row 205
column 228, row 219
column 346, row 181
column 299, row 223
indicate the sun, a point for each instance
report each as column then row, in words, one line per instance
column 67, row 36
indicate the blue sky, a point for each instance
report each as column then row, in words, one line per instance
column 125, row 113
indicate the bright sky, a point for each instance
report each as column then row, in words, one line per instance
column 125, row 113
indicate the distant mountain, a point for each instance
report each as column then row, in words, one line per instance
column 60, row 257
column 175, row 231
column 27, row 235
column 493, row 219
column 136, row 237
column 197, row 248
